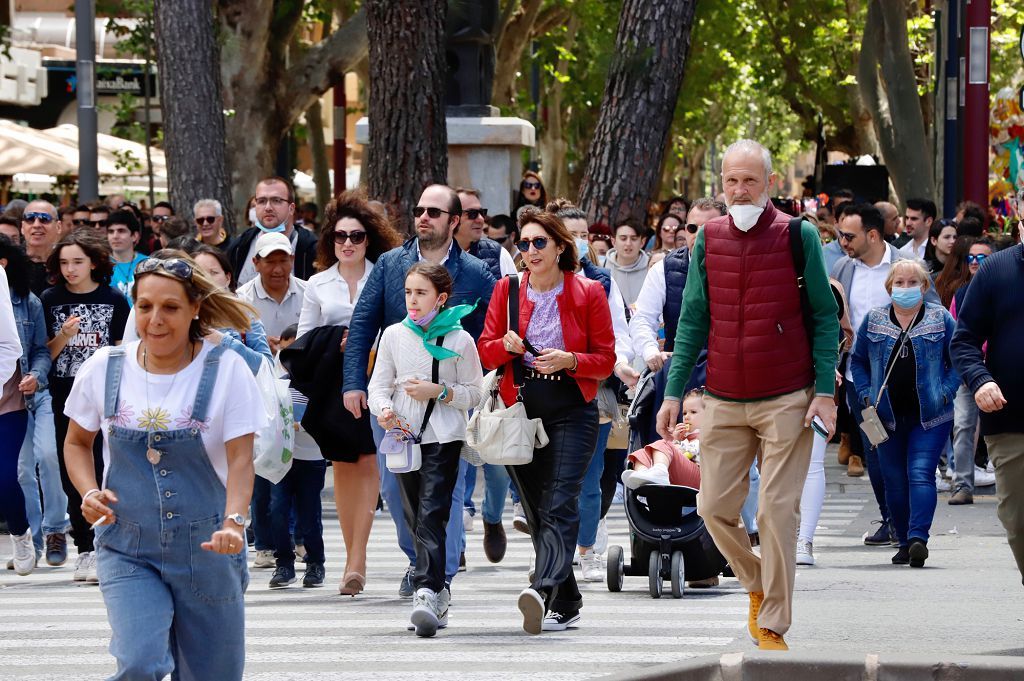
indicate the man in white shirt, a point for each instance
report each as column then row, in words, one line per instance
column 276, row 293
column 921, row 213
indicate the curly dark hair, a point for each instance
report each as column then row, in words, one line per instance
column 381, row 236
column 18, row 266
column 94, row 246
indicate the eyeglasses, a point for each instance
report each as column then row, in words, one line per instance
column 432, row 212
column 671, row 229
column 474, row 213
column 340, row 237
column 99, row 223
column 276, row 201
column 176, row 267
column 846, row 236
column 80, row 222
column 529, row 184
column 540, row 243
column 976, row 258
column 44, row 218
column 207, row 220
column 160, row 218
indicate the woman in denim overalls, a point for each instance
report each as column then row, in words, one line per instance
column 170, row 543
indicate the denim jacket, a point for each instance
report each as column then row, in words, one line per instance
column 937, row 380
column 35, row 356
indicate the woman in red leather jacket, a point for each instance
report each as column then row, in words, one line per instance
column 566, row 320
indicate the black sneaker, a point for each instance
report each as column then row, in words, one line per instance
column 283, row 576
column 918, row 552
column 882, row 536
column 314, row 575
column 560, row 621
column 462, row 562
column 406, row 589
column 902, row 556
column 56, row 549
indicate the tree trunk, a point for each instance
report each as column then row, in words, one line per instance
column 321, row 165
column 513, row 38
column 552, row 143
column 408, row 137
column 885, row 74
column 625, row 158
column 190, row 93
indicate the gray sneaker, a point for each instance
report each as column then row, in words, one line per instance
column 425, row 613
column 406, row 589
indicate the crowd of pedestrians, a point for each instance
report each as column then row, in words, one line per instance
column 154, row 357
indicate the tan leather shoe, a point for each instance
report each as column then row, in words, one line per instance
column 844, row 449
column 855, row 467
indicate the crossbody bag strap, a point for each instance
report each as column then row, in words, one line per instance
column 513, row 325
column 435, row 376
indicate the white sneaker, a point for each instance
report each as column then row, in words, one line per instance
column 444, row 598
column 467, row 520
column 24, row 553
column 82, row 567
column 264, row 559
column 983, row 477
column 804, row 552
column 593, row 566
column 601, row 543
column 91, row 576
column 531, row 605
column 655, row 475
column 424, row 613
column 941, row 484
column 519, row 519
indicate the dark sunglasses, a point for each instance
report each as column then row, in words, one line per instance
column 689, row 227
column 208, row 220
column 500, row 239
column 846, row 236
column 474, row 213
column 540, row 243
column 80, row 223
column 99, row 223
column 341, row 236
column 976, row 259
column 44, row 218
column 160, row 218
column 529, row 184
column 433, row 213
column 176, row 267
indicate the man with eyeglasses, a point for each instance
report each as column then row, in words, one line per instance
column 98, row 216
column 41, row 231
column 470, row 235
column 162, row 210
column 503, row 230
column 275, row 212
column 382, row 303
column 80, row 217
column 209, row 219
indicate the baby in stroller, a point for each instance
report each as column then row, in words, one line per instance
column 671, row 463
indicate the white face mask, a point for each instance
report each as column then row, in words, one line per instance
column 745, row 215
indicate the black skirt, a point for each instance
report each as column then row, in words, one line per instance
column 353, row 439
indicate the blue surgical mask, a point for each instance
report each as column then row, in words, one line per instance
column 582, row 245
column 906, row 297
column 270, row 230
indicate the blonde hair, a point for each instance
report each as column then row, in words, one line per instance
column 218, row 307
column 917, row 266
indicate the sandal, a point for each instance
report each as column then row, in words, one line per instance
column 351, row 584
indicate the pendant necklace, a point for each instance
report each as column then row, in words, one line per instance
column 153, row 455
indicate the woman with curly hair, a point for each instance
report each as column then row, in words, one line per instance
column 353, row 237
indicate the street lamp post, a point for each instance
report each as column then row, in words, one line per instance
column 976, row 107
column 85, row 47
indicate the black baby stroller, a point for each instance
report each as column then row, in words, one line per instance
column 667, row 540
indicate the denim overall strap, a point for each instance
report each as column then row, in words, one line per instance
column 112, row 386
column 206, row 383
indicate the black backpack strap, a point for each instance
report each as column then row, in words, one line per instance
column 796, row 248
column 435, row 370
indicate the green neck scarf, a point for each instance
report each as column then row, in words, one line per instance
column 445, row 322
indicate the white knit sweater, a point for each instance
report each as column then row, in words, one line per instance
column 401, row 357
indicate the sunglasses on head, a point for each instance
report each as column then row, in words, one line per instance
column 176, row 267
column 540, row 243
column 474, row 213
column 341, row 236
column 44, row 218
column 99, row 223
column 976, row 258
column 531, row 184
column 432, row 212
column 207, row 220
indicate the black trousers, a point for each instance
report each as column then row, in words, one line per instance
column 426, row 502
column 81, row 533
column 549, row 486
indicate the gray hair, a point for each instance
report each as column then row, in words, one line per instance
column 709, row 203
column 208, row 203
column 572, row 213
column 746, row 146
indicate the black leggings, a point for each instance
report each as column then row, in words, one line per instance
column 80, row 528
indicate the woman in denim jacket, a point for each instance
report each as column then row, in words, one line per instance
column 909, row 340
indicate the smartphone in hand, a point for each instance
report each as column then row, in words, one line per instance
column 819, row 426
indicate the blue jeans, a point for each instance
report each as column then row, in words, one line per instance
column 455, row 532
column 875, row 473
column 590, row 492
column 496, row 488
column 48, row 515
column 908, row 460
column 299, row 491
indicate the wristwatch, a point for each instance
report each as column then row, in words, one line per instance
column 236, row 518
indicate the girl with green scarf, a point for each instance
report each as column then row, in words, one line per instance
column 405, row 386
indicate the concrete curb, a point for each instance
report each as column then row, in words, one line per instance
column 770, row 666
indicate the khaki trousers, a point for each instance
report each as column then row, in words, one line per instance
column 1006, row 451
column 732, row 433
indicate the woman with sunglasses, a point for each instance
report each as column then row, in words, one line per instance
column 669, row 225
column 564, row 346
column 83, row 313
column 354, row 236
column 531, row 192
column 179, row 416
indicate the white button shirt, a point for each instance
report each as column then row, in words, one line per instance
column 646, row 320
column 328, row 300
column 910, row 250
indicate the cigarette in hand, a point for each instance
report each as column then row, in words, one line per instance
column 99, row 522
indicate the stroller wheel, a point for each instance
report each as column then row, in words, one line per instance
column 654, row 574
column 616, row 568
column 678, row 575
